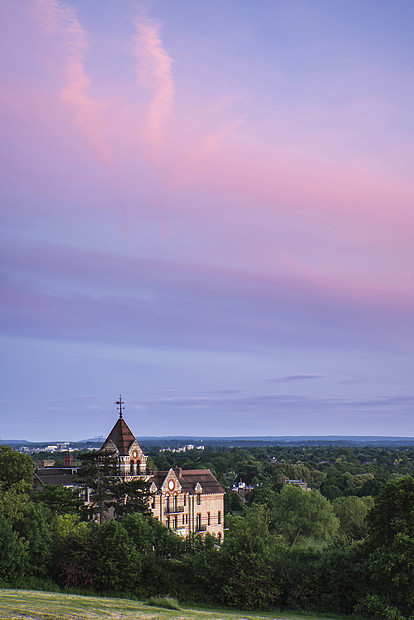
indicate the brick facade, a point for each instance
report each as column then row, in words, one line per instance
column 186, row 501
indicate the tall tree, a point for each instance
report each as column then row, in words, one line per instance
column 351, row 512
column 297, row 513
column 246, row 553
column 390, row 546
column 128, row 497
column 15, row 467
column 108, row 490
column 61, row 500
column 96, row 470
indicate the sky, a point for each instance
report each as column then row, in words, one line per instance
column 207, row 207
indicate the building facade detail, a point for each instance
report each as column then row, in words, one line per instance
column 186, row 501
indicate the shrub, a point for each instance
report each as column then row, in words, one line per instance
column 167, row 602
column 373, row 606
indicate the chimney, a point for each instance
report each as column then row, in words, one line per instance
column 68, row 460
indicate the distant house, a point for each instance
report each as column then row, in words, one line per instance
column 242, row 489
column 299, row 483
column 45, row 463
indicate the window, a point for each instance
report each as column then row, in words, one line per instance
column 185, row 497
column 219, row 517
column 167, row 523
column 167, row 504
column 219, row 538
column 198, row 522
column 198, row 499
column 186, row 519
column 183, row 519
column 175, row 503
column 175, row 523
column 208, row 518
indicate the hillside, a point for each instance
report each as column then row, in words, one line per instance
column 31, row 605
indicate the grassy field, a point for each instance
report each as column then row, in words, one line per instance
column 32, row 605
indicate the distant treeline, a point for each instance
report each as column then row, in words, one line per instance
column 157, row 443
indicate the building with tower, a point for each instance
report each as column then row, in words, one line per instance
column 186, row 501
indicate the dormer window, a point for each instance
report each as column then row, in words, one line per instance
column 198, row 489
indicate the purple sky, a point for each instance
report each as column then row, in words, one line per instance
column 209, row 208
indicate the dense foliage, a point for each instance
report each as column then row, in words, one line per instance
column 344, row 545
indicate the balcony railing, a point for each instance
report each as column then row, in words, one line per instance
column 173, row 509
column 202, row 528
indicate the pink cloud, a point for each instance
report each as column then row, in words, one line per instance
column 154, row 73
column 62, row 22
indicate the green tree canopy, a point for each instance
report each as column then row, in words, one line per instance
column 15, row 468
column 390, row 546
column 393, row 512
column 247, row 551
column 12, row 553
column 297, row 513
column 61, row 500
column 351, row 512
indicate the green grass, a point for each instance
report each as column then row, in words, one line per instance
column 32, row 605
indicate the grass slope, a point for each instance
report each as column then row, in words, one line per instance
column 32, row 605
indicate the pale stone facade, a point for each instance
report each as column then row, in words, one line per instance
column 188, row 501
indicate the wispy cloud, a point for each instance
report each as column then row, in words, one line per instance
column 53, row 289
column 307, row 402
column 154, row 72
column 214, row 140
column 291, row 378
column 62, row 21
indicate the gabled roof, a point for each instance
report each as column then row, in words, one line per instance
column 189, row 478
column 65, row 476
column 121, row 436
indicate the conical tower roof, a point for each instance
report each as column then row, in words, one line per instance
column 121, row 436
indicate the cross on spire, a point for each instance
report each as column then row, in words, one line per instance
column 119, row 403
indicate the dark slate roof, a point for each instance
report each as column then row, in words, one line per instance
column 65, row 476
column 188, row 479
column 121, row 436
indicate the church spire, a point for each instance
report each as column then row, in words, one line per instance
column 119, row 403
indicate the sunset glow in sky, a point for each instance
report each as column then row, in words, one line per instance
column 209, row 208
